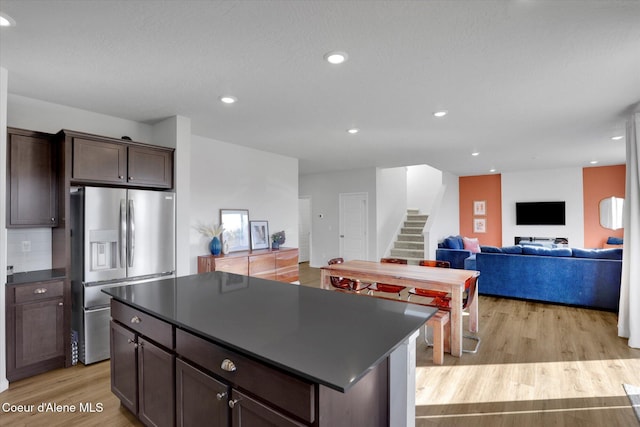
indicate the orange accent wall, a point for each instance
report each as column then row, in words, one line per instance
column 489, row 189
column 600, row 183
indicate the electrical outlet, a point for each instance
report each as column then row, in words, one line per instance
column 26, row 246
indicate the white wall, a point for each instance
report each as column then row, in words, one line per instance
column 540, row 186
column 324, row 190
column 391, row 208
column 4, row 75
column 42, row 116
column 444, row 218
column 175, row 132
column 227, row 176
column 423, row 184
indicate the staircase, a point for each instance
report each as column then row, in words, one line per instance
column 410, row 243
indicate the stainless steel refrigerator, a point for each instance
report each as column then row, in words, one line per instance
column 118, row 236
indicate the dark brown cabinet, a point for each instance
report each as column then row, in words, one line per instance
column 150, row 167
column 35, row 328
column 142, row 372
column 108, row 161
column 32, row 184
column 99, row 161
column 248, row 412
column 200, row 399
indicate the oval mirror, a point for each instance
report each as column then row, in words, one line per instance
column 611, row 210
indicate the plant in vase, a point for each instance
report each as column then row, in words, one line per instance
column 213, row 232
column 277, row 239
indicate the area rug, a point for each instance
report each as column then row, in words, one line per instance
column 634, row 396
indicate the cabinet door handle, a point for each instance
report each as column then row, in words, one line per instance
column 39, row 291
column 221, row 396
column 120, row 176
column 130, row 178
column 136, row 319
column 233, row 403
column 228, row 365
column 60, row 304
column 130, row 341
column 53, row 219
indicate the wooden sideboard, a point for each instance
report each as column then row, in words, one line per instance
column 280, row 265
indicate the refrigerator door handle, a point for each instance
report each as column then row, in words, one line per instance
column 123, row 232
column 132, row 233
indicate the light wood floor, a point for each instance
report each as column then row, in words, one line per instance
column 538, row 365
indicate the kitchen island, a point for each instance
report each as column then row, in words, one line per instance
column 228, row 349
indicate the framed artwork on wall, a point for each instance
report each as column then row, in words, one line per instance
column 236, row 229
column 479, row 225
column 480, row 207
column 259, row 234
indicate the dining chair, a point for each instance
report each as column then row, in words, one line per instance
column 387, row 288
column 444, row 304
column 344, row 284
column 430, row 293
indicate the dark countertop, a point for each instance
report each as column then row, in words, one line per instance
column 35, row 276
column 327, row 337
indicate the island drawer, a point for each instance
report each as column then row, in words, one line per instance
column 287, row 392
column 143, row 323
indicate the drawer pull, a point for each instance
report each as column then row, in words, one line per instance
column 228, row 366
column 136, row 319
column 233, row 403
column 40, row 291
column 221, row 396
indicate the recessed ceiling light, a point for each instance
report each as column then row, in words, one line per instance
column 492, row 170
column 228, row 99
column 353, row 131
column 441, row 113
column 475, row 153
column 594, row 162
column 6, row 20
column 336, row 58
column 617, row 137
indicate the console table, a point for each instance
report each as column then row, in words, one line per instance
column 280, row 265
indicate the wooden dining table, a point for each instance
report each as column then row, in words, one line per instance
column 414, row 276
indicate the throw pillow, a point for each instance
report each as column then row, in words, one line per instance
column 453, row 242
column 472, row 245
column 490, row 249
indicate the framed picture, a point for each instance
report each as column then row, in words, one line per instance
column 479, row 207
column 479, row 225
column 236, row 229
column 259, row 234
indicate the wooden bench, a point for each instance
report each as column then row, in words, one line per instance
column 441, row 335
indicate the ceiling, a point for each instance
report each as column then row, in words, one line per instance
column 528, row 84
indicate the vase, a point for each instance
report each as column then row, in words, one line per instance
column 275, row 246
column 215, row 246
column 225, row 247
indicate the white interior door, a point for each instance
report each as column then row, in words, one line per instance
column 353, row 226
column 304, row 229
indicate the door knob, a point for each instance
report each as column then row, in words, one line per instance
column 233, row 403
column 221, row 396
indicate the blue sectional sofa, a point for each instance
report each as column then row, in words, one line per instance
column 581, row 277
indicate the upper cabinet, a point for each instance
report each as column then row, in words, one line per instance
column 31, row 179
column 100, row 160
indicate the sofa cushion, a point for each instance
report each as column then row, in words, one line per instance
column 614, row 253
column 514, row 250
column 614, row 240
column 490, row 249
column 453, row 242
column 539, row 250
column 470, row 263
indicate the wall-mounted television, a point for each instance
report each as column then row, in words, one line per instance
column 540, row 213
